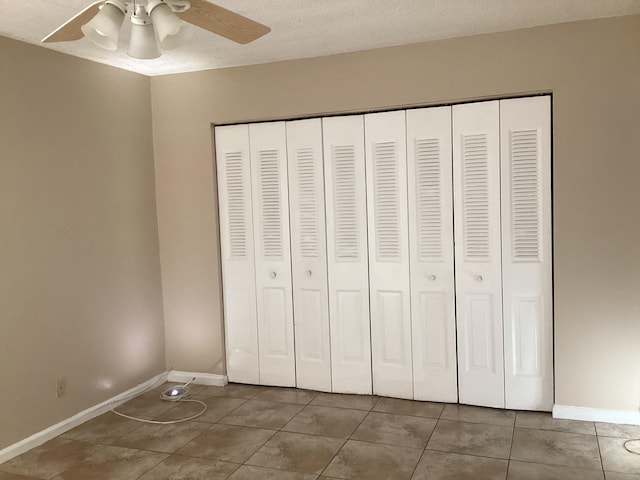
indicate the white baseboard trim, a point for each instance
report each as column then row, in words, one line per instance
column 200, row 378
column 628, row 417
column 53, row 431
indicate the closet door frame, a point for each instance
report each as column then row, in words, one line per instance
column 497, row 312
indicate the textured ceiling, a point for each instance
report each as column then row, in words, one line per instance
column 309, row 28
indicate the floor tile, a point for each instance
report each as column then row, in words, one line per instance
column 453, row 466
column 489, row 416
column 471, row 439
column 392, row 429
column 297, row 452
column 613, row 476
column 615, row 458
column 227, row 443
column 619, row 431
column 555, row 448
column 262, row 414
column 234, row 390
column 217, row 407
column 544, row 421
column 373, row 461
column 287, row 395
column 163, row 438
column 326, row 421
column 105, row 429
column 247, row 472
column 50, row 459
column 357, row 402
column 409, row 407
column 113, row 463
column 177, row 467
column 537, row 471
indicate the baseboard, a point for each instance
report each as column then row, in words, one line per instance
column 53, row 431
column 628, row 417
column 200, row 378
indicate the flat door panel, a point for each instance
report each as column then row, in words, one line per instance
column 345, row 194
column 272, row 253
column 476, row 180
column 236, row 236
column 392, row 363
column 526, row 231
column 309, row 255
column 429, row 167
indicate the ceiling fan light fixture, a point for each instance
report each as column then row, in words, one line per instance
column 143, row 43
column 104, row 28
column 172, row 32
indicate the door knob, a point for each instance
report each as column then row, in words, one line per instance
column 478, row 278
column 308, row 273
column 273, row 274
column 431, row 277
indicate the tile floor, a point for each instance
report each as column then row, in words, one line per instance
column 253, row 433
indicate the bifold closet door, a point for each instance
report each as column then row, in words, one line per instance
column 389, row 291
column 272, row 253
column 309, row 255
column 236, row 242
column 431, row 253
column 478, row 252
column 526, row 231
column 348, row 268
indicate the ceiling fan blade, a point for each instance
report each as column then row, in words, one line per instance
column 223, row 22
column 70, row 30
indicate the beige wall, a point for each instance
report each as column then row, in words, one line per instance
column 80, row 290
column 593, row 70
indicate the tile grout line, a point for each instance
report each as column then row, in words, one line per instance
column 348, row 438
column 600, row 455
column 513, row 434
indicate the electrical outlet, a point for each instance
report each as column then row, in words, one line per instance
column 61, row 387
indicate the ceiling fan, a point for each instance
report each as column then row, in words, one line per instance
column 155, row 24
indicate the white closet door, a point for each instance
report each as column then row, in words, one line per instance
column 526, row 231
column 272, row 253
column 345, row 194
column 309, row 255
column 433, row 321
column 476, row 173
column 236, row 227
column 385, row 136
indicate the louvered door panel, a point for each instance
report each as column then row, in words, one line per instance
column 309, row 255
column 272, row 253
column 431, row 252
column 345, row 196
column 236, row 227
column 385, row 137
column 526, row 230
column 478, row 276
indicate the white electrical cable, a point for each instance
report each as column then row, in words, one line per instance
column 177, row 393
column 636, row 452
